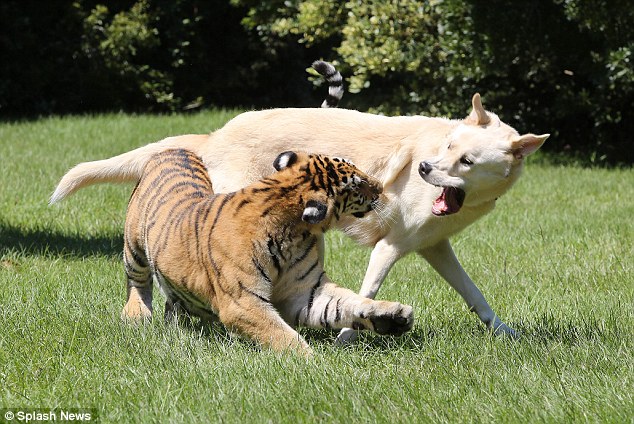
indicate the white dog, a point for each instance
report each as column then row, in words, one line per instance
column 439, row 176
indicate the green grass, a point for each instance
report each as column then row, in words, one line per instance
column 555, row 260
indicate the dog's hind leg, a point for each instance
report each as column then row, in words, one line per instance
column 442, row 258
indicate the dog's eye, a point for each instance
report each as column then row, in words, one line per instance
column 466, row 161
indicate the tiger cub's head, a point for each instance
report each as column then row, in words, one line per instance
column 334, row 187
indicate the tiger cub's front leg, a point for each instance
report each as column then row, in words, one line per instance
column 258, row 320
column 327, row 305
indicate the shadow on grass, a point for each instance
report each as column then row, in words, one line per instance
column 42, row 242
column 590, row 328
column 536, row 337
column 543, row 331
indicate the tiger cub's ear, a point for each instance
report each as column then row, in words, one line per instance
column 314, row 212
column 284, row 160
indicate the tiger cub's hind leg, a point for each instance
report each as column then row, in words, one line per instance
column 138, row 306
column 174, row 312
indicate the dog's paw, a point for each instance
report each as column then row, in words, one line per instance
column 502, row 330
column 395, row 322
column 346, row 336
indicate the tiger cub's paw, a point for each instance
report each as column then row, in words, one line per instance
column 136, row 312
column 396, row 320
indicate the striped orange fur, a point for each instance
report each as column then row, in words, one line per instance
column 250, row 258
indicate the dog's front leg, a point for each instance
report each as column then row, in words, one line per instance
column 383, row 256
column 442, row 258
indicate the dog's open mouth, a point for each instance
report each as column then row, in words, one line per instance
column 449, row 202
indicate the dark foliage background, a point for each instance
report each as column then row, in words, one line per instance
column 558, row 66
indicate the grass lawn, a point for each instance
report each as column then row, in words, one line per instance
column 555, row 260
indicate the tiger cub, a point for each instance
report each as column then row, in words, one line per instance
column 250, row 258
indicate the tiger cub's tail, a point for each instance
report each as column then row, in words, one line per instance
column 334, row 80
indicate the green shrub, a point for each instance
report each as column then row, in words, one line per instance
column 559, row 66
column 122, row 45
column 545, row 66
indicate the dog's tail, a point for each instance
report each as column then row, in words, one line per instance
column 126, row 167
column 334, row 80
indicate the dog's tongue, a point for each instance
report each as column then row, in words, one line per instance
column 449, row 201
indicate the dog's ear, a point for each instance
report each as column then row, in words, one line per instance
column 478, row 115
column 527, row 144
column 315, row 211
column 394, row 164
column 284, row 160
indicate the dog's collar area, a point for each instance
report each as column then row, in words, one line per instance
column 449, row 202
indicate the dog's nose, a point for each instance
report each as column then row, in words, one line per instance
column 424, row 168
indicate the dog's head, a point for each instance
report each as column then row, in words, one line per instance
column 480, row 160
